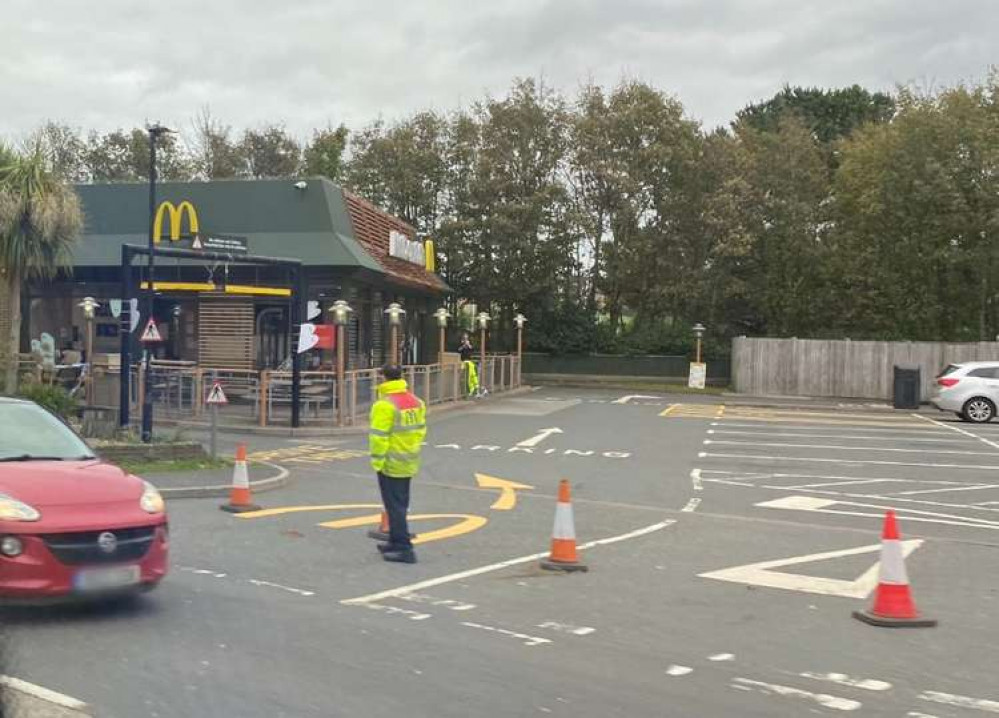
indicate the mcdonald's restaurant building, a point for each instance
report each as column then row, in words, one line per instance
column 229, row 315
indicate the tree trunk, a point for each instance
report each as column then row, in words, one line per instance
column 13, row 338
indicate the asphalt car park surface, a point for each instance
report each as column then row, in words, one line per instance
column 727, row 546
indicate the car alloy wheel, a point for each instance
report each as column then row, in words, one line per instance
column 979, row 411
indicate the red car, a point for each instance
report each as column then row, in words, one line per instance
column 71, row 526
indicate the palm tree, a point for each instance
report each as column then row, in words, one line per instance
column 40, row 220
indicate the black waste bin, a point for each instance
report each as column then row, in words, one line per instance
column 908, row 380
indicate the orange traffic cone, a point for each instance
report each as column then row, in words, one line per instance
column 563, row 555
column 893, row 606
column 240, row 499
column 382, row 532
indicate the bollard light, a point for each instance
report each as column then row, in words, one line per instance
column 520, row 320
column 89, row 306
column 483, row 318
column 395, row 313
column 442, row 315
column 699, row 330
column 341, row 312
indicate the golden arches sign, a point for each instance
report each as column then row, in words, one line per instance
column 174, row 214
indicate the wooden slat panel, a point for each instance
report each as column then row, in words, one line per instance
column 225, row 334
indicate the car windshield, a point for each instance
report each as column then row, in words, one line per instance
column 29, row 433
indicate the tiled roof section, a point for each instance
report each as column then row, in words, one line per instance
column 372, row 227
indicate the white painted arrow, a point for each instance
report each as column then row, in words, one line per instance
column 540, row 436
column 626, row 399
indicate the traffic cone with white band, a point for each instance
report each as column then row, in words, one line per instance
column 563, row 556
column 240, row 497
column 893, row 605
column 382, row 532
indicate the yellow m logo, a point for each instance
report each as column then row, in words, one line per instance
column 431, row 259
column 175, row 216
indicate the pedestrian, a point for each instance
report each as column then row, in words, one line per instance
column 467, row 353
column 398, row 428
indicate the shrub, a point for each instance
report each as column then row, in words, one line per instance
column 54, row 398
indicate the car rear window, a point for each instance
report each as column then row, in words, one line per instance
column 950, row 369
column 983, row 373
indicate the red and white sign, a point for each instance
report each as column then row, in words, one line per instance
column 151, row 333
column 216, row 397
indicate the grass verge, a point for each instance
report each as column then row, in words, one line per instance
column 166, row 467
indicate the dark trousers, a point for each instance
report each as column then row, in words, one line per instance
column 395, row 497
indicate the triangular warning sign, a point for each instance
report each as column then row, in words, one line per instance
column 151, row 333
column 762, row 573
column 216, row 396
column 196, row 244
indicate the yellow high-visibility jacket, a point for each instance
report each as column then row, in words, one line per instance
column 398, row 428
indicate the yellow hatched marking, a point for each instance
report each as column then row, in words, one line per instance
column 307, row 454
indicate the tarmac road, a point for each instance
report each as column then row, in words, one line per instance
column 274, row 614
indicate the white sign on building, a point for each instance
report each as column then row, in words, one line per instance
column 403, row 247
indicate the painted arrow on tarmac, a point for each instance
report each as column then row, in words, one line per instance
column 631, row 397
column 540, row 436
column 508, row 490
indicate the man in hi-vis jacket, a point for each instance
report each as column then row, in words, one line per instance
column 398, row 428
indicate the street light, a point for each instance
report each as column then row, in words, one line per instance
column 520, row 320
column 699, row 330
column 395, row 314
column 483, row 319
column 176, row 330
column 155, row 132
column 89, row 306
column 341, row 312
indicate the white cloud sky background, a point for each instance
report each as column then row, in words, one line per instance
column 104, row 64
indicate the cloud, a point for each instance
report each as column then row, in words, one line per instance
column 118, row 63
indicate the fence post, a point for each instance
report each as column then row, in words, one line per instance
column 142, row 384
column 199, row 391
column 263, row 387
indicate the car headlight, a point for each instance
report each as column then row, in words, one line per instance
column 151, row 501
column 13, row 510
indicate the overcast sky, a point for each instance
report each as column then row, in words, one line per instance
column 116, row 63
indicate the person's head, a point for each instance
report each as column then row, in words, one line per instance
column 464, row 336
column 392, row 372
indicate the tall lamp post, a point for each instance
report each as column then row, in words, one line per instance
column 699, row 330
column 520, row 320
column 395, row 314
column 89, row 306
column 155, row 132
column 341, row 312
column 483, row 319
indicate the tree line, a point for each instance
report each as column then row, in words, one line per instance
column 614, row 221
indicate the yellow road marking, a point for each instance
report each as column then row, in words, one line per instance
column 265, row 513
column 354, row 522
column 469, row 523
column 508, row 490
column 670, row 409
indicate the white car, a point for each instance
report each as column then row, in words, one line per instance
column 970, row 390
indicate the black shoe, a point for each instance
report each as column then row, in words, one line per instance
column 404, row 556
column 387, row 547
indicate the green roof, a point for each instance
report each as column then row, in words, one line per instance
column 279, row 220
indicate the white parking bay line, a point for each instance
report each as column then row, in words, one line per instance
column 949, row 699
column 871, row 449
column 948, row 489
column 849, row 437
column 760, row 457
column 450, row 578
column 867, row 684
column 822, row 699
column 914, row 428
column 959, row 430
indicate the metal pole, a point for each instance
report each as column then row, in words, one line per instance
column 698, row 350
column 441, row 360
column 298, row 312
column 215, row 428
column 125, row 332
column 394, row 348
column 340, row 387
column 90, row 361
column 482, row 368
column 520, row 354
column 147, row 404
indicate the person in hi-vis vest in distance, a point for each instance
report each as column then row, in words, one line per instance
column 398, row 428
column 467, row 353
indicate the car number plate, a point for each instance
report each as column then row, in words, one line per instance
column 103, row 579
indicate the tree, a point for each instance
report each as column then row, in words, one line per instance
column 324, row 156
column 830, row 114
column 64, row 151
column 40, row 219
column 270, row 152
column 214, row 154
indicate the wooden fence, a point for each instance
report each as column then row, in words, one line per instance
column 841, row 368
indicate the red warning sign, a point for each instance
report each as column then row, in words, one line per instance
column 151, row 333
column 216, row 397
